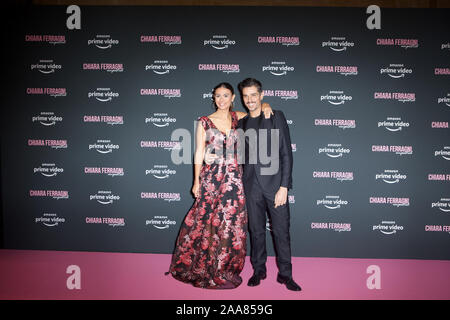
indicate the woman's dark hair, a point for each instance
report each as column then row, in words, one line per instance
column 250, row 82
column 225, row 85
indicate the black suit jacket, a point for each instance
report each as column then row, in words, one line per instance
column 281, row 177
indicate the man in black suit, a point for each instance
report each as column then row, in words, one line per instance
column 267, row 178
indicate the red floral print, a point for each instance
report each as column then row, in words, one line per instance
column 211, row 245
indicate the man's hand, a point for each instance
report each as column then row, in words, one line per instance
column 267, row 110
column 281, row 196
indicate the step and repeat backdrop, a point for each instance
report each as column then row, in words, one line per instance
column 89, row 115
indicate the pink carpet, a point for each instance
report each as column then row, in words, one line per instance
column 94, row 275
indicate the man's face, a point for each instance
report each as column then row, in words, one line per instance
column 252, row 98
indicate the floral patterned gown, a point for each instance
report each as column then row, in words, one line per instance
column 211, row 245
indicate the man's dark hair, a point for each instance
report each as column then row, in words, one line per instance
column 250, row 82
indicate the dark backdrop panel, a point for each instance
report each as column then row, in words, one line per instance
column 107, row 133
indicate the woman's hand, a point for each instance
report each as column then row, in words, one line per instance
column 210, row 157
column 267, row 110
column 196, row 189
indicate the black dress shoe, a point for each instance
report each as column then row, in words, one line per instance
column 256, row 279
column 289, row 282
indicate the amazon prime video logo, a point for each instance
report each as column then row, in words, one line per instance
column 50, row 220
column 333, row 150
column 388, row 227
column 104, row 197
column 161, row 67
column 396, row 71
column 48, row 170
column 278, row 68
column 393, row 124
column 47, row 119
column 219, row 42
column 336, row 98
column 160, row 119
column 46, row 66
column 444, row 153
column 103, row 42
column 160, row 171
column 390, row 176
column 443, row 204
column 338, row 44
column 103, row 146
column 332, row 202
column 160, row 222
column 103, row 94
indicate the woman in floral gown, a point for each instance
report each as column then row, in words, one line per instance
column 211, row 246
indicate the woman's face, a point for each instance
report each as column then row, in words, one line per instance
column 223, row 98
